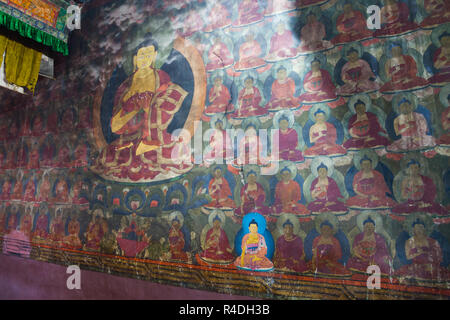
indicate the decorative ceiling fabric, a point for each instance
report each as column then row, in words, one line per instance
column 334, row 141
column 41, row 20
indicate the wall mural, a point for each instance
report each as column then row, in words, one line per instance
column 137, row 160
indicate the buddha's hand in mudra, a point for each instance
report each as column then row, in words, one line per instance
column 254, row 258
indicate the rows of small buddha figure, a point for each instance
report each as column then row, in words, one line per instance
column 46, row 186
column 349, row 18
column 47, row 151
column 323, row 251
column 367, row 184
column 48, row 120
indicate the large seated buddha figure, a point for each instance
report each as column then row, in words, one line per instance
column 144, row 106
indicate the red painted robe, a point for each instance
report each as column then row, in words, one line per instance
column 2, row 223
column 217, row 247
column 445, row 119
column 327, row 198
column 439, row 13
column 287, row 145
column 420, row 198
column 30, row 191
column 219, row 57
column 395, row 20
column 73, row 239
column 44, row 189
column 33, row 161
column 48, row 152
column 61, row 191
column 318, row 88
column 365, row 133
column 254, row 252
column 249, row 56
column 17, row 191
column 64, row 158
column 221, row 147
column 57, row 233
column 250, row 152
column 352, row 27
column 67, row 122
column 40, row 230
column 357, row 78
column 282, row 46
column 253, row 201
column 248, row 101
column 37, row 129
column 325, row 145
column 248, row 12
column 22, row 157
column 403, row 76
column 443, row 74
column 177, row 242
column 287, row 197
column 312, row 38
column 220, row 192
column 288, row 254
column 132, row 240
column 371, row 252
column 413, row 131
column 76, row 197
column 218, row 18
column 94, row 235
column 52, row 121
column 279, row 6
column 142, row 127
column 6, row 189
column 371, row 188
column 220, row 99
column 26, row 225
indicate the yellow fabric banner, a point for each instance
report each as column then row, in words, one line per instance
column 22, row 65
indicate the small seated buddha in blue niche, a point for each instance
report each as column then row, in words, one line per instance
column 254, row 249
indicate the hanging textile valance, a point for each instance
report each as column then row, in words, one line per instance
column 41, row 20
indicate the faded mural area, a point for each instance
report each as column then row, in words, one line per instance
column 116, row 164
